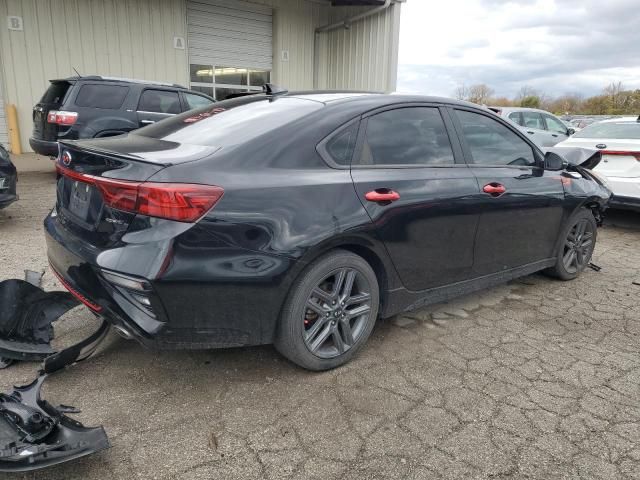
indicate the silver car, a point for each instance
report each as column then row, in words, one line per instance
column 544, row 128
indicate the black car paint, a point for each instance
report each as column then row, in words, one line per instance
column 9, row 177
column 97, row 122
column 223, row 281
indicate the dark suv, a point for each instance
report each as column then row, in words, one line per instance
column 94, row 106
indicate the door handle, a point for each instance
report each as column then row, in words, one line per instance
column 494, row 189
column 382, row 195
column 530, row 132
column 147, row 122
column 554, row 135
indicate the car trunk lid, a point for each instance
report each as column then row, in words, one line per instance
column 620, row 158
column 51, row 101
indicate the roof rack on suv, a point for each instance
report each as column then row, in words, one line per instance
column 121, row 79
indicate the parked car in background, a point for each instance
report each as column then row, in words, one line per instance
column 542, row 127
column 8, row 179
column 618, row 139
column 94, row 107
column 580, row 123
column 299, row 219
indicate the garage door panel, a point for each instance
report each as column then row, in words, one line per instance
column 230, row 33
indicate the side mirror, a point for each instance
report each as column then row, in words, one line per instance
column 570, row 131
column 554, row 162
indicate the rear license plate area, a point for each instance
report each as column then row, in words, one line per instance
column 80, row 202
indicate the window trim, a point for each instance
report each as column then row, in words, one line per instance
column 458, row 158
column 537, row 153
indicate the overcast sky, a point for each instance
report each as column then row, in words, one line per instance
column 556, row 46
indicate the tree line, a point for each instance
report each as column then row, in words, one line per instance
column 615, row 99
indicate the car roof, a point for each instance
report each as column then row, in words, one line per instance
column 336, row 96
column 117, row 79
column 621, row 119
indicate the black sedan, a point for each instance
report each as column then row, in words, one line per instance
column 299, row 219
column 8, row 179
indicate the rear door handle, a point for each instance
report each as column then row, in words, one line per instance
column 147, row 122
column 530, row 132
column 494, row 189
column 554, row 135
column 382, row 195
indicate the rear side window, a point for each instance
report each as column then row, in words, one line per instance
column 414, row 136
column 159, row 101
column 231, row 122
column 102, row 96
column 491, row 143
column 555, row 125
column 516, row 117
column 55, row 93
column 341, row 145
column 532, row 120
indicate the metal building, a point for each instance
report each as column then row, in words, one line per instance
column 215, row 46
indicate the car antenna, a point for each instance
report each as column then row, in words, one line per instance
column 74, row 69
column 271, row 89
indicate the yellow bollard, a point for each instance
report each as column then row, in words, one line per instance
column 14, row 130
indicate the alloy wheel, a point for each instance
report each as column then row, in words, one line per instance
column 336, row 313
column 578, row 246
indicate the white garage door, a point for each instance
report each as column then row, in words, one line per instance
column 4, row 136
column 230, row 46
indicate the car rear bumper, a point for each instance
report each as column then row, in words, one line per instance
column 222, row 309
column 626, row 192
column 44, row 147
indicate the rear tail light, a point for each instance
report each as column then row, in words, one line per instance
column 618, row 153
column 182, row 202
column 60, row 117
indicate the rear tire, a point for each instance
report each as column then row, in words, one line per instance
column 577, row 242
column 330, row 312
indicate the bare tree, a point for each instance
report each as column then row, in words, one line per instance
column 480, row 93
column 462, row 92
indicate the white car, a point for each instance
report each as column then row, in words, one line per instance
column 618, row 139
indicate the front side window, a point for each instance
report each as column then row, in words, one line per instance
column 195, row 101
column 532, row 120
column 159, row 101
column 102, row 96
column 414, row 136
column 221, row 81
column 555, row 125
column 491, row 143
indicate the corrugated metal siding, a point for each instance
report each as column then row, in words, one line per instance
column 230, row 33
column 4, row 136
column 295, row 22
column 364, row 57
column 128, row 38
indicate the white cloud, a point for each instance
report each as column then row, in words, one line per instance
column 556, row 46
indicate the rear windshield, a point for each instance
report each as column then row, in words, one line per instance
column 55, row 93
column 617, row 130
column 230, row 122
column 101, row 96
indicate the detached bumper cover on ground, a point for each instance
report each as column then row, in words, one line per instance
column 33, row 433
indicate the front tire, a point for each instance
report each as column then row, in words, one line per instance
column 577, row 243
column 330, row 312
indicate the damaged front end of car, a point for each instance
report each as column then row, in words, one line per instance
column 33, row 433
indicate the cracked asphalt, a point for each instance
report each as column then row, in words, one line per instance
column 534, row 379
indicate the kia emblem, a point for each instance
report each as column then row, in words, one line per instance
column 66, row 158
column 601, row 146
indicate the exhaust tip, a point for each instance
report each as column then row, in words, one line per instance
column 123, row 332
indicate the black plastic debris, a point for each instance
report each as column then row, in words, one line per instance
column 594, row 267
column 34, row 434
column 26, row 316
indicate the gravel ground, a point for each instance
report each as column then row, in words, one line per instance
column 534, row 379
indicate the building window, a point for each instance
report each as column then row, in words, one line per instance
column 220, row 82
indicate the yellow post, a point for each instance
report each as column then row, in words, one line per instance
column 14, row 130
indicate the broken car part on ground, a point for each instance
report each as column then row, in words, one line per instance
column 33, row 433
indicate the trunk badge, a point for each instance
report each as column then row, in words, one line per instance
column 66, row 158
column 601, row 146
